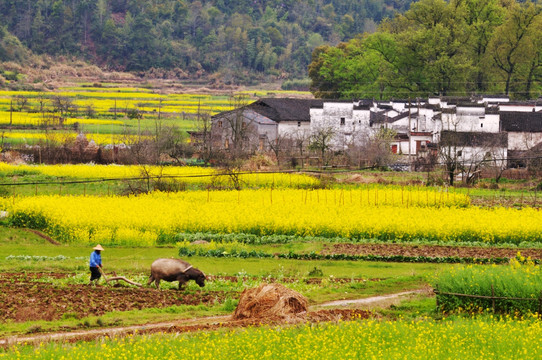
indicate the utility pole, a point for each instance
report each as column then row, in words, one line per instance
column 409, row 136
column 10, row 114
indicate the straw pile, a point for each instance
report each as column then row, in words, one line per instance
column 271, row 302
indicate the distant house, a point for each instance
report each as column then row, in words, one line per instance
column 256, row 126
column 524, row 129
column 478, row 127
column 474, row 147
column 348, row 120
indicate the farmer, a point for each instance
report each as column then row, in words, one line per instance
column 95, row 263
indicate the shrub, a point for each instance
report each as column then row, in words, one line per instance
column 29, row 220
column 521, row 279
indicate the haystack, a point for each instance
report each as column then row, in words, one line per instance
column 271, row 302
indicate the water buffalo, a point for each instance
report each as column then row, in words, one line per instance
column 175, row 270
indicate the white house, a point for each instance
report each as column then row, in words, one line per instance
column 349, row 121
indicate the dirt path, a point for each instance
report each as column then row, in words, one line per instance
column 213, row 322
column 378, row 301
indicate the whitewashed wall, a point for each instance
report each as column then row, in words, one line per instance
column 354, row 126
column 290, row 128
column 523, row 140
column 470, row 119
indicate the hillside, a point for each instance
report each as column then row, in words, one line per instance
column 235, row 41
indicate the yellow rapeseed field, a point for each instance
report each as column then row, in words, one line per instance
column 186, row 174
column 140, row 220
column 367, row 339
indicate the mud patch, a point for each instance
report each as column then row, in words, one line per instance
column 40, row 301
column 428, row 251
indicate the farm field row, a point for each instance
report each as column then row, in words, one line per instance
column 193, row 176
column 409, row 194
column 371, row 339
column 34, row 271
column 107, row 110
column 157, row 217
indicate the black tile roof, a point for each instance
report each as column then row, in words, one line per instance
column 521, row 121
column 473, row 139
column 281, row 109
column 285, row 109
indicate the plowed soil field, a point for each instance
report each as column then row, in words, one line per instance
column 23, row 299
column 428, row 250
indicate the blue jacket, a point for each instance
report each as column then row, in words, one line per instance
column 95, row 259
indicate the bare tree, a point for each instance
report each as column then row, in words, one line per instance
column 63, row 104
column 173, row 142
column 21, row 102
column 321, row 141
column 497, row 159
column 450, row 151
column 203, row 139
column 240, row 128
column 470, row 152
column 237, row 131
column 278, row 145
column 378, row 148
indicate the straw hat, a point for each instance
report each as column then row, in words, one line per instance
column 98, row 247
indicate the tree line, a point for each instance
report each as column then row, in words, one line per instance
column 238, row 40
column 437, row 47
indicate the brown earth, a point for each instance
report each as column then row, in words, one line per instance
column 29, row 300
column 427, row 250
column 30, row 296
column 191, row 325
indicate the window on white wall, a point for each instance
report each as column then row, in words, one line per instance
column 343, row 121
column 299, row 124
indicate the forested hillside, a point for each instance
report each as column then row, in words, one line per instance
column 438, row 47
column 238, row 40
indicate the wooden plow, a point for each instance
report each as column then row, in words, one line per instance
column 116, row 278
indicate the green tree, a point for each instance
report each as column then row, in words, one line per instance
column 510, row 46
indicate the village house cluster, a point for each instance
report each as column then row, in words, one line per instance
column 470, row 129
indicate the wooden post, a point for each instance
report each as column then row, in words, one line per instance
column 36, row 193
column 85, row 189
column 540, row 305
column 493, row 298
column 60, row 189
